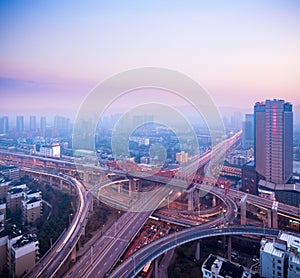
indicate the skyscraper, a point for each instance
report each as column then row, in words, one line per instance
column 20, row 123
column 32, row 123
column 273, row 121
column 248, row 132
column 4, row 125
column 43, row 126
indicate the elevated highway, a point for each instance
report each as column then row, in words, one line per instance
column 135, row 263
column 51, row 262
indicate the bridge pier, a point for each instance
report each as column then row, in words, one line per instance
column 197, row 253
column 156, row 268
column 243, row 204
column 275, row 215
column 190, row 200
column 50, row 181
column 60, row 184
column 269, row 218
column 197, row 198
column 73, row 255
column 214, row 201
column 119, row 187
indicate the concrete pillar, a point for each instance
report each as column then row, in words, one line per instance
column 197, row 199
column 119, row 187
column 156, row 268
column 229, row 248
column 243, row 205
column 275, row 215
column 197, row 253
column 60, row 184
column 73, row 255
column 214, row 201
column 190, row 200
column 269, row 218
column 51, row 182
column 92, row 205
column 130, row 186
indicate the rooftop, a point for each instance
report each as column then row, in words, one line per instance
column 25, row 239
column 15, row 190
column 269, row 248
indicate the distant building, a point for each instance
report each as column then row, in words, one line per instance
column 4, row 125
column 32, row 123
column 236, row 121
column 218, row 267
column 280, row 257
column 10, row 172
column 43, row 127
column 20, row 123
column 248, row 132
column 182, row 157
column 62, row 125
column 48, row 150
column 273, row 120
column 3, row 252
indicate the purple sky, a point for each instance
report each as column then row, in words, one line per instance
column 52, row 53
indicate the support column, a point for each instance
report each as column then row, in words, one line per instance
column 214, row 201
column 92, row 205
column 190, row 200
column 156, row 268
column 73, row 255
column 51, row 182
column 119, row 187
column 130, row 186
column 275, row 215
column 197, row 253
column 243, row 205
column 269, row 218
column 229, row 248
column 197, row 198
column 60, row 184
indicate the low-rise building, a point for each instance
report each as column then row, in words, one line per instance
column 4, row 186
column 218, row 267
column 11, row 172
column 182, row 157
column 280, row 257
column 32, row 209
column 14, row 199
column 23, row 252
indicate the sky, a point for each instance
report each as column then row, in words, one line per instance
column 53, row 53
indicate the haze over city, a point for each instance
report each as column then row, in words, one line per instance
column 150, row 139
column 53, row 53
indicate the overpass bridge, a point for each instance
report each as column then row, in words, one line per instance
column 136, row 262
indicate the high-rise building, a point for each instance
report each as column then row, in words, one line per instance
column 236, row 121
column 62, row 125
column 43, row 126
column 248, row 132
column 273, row 137
column 32, row 123
column 20, row 123
column 4, row 125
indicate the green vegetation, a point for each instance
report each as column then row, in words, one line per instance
column 62, row 205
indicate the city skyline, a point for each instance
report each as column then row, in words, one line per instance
column 53, row 54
